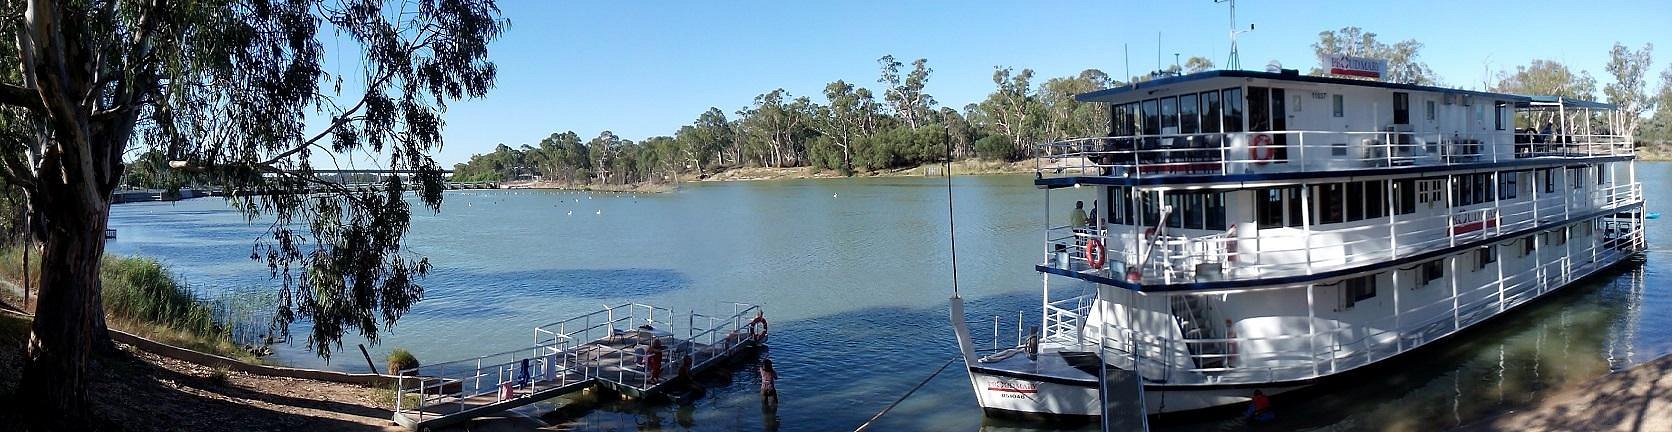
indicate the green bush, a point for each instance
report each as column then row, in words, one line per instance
column 400, row 359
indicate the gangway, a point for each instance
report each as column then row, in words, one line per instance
column 605, row 349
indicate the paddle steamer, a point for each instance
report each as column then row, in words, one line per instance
column 1268, row 230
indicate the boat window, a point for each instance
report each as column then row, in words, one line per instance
column 1576, row 177
column 1506, row 184
column 1188, row 122
column 1404, row 196
column 1430, row 110
column 1116, row 114
column 1485, row 255
column 1270, row 211
column 1601, row 172
column 1483, row 187
column 1338, row 106
column 1461, row 191
column 1374, row 199
column 1210, row 111
column 1216, row 211
column 1233, row 109
column 1279, row 121
column 1431, row 271
column 1357, row 289
column 1498, row 115
column 1295, row 213
column 1401, row 108
column 1133, row 121
column 1259, row 109
column 1528, row 245
column 1152, row 118
column 1328, row 196
column 1549, row 175
column 1355, row 201
column 1173, row 217
column 1169, row 115
column 1118, row 206
column 1194, row 213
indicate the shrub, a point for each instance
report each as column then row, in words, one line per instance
column 400, row 359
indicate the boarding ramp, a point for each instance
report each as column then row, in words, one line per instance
column 608, row 349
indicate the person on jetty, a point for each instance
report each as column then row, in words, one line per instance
column 760, row 318
column 1259, row 409
column 654, row 363
column 769, row 382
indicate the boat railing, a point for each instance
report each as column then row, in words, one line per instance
column 1063, row 318
column 1141, row 156
column 1165, row 257
column 1339, row 346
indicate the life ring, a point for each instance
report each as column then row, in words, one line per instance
column 1261, row 150
column 1095, row 254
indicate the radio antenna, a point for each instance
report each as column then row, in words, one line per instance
column 1234, row 62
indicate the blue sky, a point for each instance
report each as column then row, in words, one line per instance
column 643, row 69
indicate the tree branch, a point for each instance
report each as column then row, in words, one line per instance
column 19, row 96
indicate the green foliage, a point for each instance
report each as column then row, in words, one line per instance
column 141, row 290
column 1629, row 91
column 1403, row 65
column 400, row 359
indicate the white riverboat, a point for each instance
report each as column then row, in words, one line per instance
column 1270, row 231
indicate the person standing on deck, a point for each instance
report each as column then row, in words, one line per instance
column 1077, row 216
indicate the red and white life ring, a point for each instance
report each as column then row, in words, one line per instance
column 1096, row 255
column 1260, row 149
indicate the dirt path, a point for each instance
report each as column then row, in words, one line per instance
column 1637, row 399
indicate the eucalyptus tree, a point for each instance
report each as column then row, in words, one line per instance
column 1012, row 111
column 1066, row 117
column 845, row 120
column 226, row 89
column 1547, row 78
column 1198, row 64
column 905, row 94
column 1629, row 91
column 1403, row 65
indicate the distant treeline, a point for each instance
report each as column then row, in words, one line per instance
column 847, row 129
column 850, row 128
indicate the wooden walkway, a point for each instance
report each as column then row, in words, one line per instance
column 463, row 390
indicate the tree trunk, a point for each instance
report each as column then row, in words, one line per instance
column 69, row 325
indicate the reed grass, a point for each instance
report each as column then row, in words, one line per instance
column 142, row 297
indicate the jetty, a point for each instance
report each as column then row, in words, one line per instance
column 611, row 349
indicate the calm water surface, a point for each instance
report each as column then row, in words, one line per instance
column 854, row 275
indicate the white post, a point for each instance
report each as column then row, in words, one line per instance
column 1311, row 329
column 1306, row 223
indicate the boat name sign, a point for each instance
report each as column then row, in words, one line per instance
column 1339, row 64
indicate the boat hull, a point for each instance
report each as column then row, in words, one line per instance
column 1021, row 395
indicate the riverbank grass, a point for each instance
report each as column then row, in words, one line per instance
column 143, row 298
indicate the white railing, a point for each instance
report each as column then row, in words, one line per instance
column 1301, row 151
column 573, row 351
column 1167, row 258
column 445, row 388
column 1242, row 360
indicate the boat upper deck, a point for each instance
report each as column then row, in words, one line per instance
column 1254, row 123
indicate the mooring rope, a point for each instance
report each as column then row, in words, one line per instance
column 903, row 397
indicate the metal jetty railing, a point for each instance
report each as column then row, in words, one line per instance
column 609, row 348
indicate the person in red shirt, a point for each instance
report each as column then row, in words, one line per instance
column 1259, row 408
column 654, row 363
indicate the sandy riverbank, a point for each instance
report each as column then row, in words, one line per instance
column 1636, row 399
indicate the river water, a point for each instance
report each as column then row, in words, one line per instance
column 854, row 275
